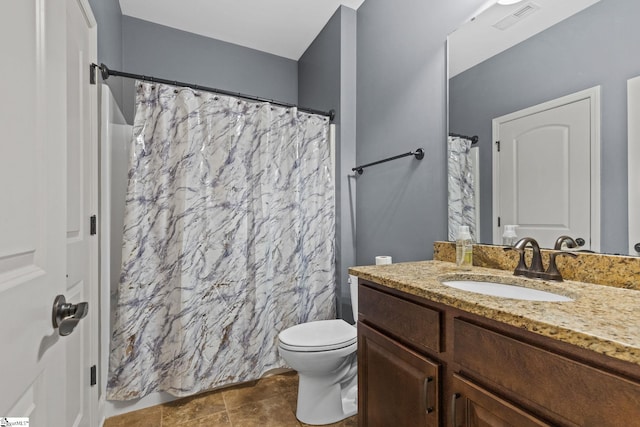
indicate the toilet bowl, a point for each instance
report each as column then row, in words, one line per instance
column 324, row 354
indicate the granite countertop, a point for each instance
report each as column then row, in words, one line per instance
column 601, row 318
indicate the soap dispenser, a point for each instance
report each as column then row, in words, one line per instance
column 464, row 248
column 509, row 237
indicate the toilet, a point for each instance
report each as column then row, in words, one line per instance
column 324, row 354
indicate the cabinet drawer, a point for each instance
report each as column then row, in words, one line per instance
column 571, row 392
column 411, row 322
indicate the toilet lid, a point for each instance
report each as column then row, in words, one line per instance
column 318, row 336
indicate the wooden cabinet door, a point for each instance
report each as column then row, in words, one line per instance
column 396, row 386
column 473, row 406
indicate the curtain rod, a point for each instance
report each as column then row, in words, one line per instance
column 106, row 72
column 473, row 139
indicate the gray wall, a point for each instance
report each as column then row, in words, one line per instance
column 109, row 18
column 326, row 80
column 401, row 98
column 160, row 51
column 141, row 47
column 595, row 47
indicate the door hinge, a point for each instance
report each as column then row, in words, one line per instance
column 92, row 73
column 93, row 376
column 498, row 221
column 498, row 145
column 92, row 225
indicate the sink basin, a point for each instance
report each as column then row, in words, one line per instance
column 505, row 291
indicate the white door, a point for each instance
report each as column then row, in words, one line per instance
column 543, row 172
column 81, row 244
column 34, row 362
column 32, row 215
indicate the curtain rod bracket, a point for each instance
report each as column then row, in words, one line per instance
column 104, row 71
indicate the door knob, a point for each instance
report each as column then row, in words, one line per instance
column 65, row 316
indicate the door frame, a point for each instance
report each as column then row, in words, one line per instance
column 92, row 321
column 633, row 158
column 593, row 95
column 95, row 412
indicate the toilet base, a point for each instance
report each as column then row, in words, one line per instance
column 323, row 401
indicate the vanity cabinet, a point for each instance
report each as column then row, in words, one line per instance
column 423, row 363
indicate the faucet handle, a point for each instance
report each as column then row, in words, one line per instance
column 570, row 241
column 552, row 272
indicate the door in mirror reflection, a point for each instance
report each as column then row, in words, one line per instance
column 633, row 150
column 542, row 173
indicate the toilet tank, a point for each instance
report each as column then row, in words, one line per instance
column 353, row 288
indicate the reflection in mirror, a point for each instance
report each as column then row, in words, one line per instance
column 549, row 152
column 540, row 51
column 633, row 119
column 462, row 167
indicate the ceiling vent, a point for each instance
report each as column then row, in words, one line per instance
column 517, row 16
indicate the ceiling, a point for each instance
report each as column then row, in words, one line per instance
column 479, row 39
column 281, row 27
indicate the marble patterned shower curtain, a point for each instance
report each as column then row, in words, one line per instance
column 462, row 209
column 228, row 239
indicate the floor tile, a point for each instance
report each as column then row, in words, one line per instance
column 273, row 412
column 264, row 388
column 292, row 399
column 220, row 419
column 349, row 422
column 269, row 402
column 149, row 417
column 192, row 408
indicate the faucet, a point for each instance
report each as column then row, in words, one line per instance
column 522, row 269
column 536, row 270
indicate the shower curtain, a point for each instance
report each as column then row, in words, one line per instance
column 461, row 191
column 228, row 240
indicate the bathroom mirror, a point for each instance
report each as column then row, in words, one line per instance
column 537, row 51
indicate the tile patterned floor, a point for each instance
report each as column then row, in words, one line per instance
column 269, row 402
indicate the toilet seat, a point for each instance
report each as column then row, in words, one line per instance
column 322, row 335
